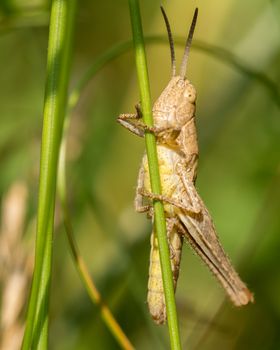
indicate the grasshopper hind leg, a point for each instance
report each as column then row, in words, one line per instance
column 155, row 297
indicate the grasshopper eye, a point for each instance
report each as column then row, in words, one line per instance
column 190, row 94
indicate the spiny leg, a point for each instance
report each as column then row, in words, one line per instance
column 130, row 122
column 133, row 122
column 137, row 127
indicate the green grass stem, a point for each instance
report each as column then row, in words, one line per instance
column 150, row 141
column 58, row 68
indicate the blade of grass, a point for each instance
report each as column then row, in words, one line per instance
column 150, row 141
column 81, row 267
column 58, row 67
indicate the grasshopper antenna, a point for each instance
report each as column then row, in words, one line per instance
column 171, row 42
column 188, row 46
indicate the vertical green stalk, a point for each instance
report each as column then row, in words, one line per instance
column 58, row 67
column 150, row 141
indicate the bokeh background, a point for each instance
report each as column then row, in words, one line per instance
column 238, row 123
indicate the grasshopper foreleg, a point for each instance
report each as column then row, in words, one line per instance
column 133, row 123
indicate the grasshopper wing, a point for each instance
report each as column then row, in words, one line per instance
column 202, row 236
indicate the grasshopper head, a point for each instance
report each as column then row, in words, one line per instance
column 176, row 105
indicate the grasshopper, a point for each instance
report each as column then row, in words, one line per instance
column 186, row 215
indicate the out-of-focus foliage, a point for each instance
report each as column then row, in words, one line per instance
column 239, row 130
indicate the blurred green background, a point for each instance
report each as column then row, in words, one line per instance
column 239, row 131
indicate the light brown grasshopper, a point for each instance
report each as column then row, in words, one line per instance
column 186, row 215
